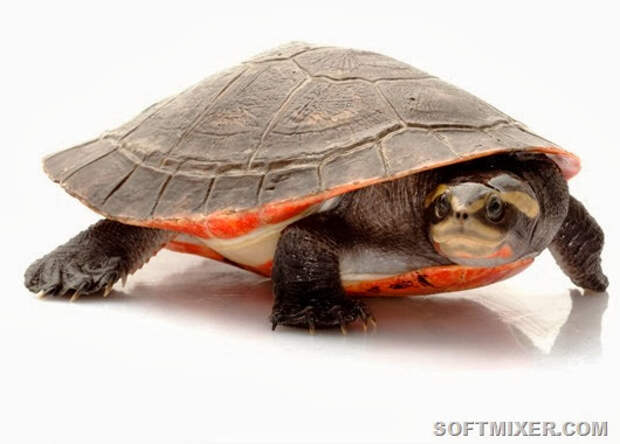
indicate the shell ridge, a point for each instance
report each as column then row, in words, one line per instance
column 259, row 188
column 64, row 179
column 202, row 114
column 203, row 204
column 118, row 185
column 391, row 105
column 444, row 141
column 456, row 126
column 275, row 118
column 526, row 130
column 155, row 110
column 351, row 148
column 331, row 79
column 160, row 193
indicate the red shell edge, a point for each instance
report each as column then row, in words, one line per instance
column 229, row 224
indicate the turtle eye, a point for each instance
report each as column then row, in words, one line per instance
column 442, row 206
column 495, row 208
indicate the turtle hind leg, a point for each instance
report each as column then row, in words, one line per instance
column 92, row 261
column 306, row 278
column 577, row 248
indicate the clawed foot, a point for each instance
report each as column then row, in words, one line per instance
column 596, row 281
column 64, row 272
column 321, row 313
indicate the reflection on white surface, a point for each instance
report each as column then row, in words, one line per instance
column 497, row 322
column 186, row 351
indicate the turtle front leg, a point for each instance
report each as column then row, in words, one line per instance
column 306, row 278
column 95, row 259
column 577, row 248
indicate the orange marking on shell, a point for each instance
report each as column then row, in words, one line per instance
column 188, row 226
column 569, row 163
column 232, row 225
column 200, row 250
column 437, row 280
column 281, row 211
column 274, row 213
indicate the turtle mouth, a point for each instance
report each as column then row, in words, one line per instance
column 470, row 240
column 469, row 248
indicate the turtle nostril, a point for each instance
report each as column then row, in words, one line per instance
column 465, row 216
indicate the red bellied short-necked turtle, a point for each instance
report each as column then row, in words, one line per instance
column 337, row 172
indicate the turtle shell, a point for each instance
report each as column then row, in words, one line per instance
column 263, row 141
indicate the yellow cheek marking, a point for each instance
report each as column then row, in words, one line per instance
column 438, row 192
column 523, row 201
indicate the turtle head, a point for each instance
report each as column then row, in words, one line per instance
column 482, row 219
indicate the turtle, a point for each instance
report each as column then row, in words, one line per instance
column 339, row 173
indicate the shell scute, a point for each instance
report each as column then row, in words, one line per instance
column 287, row 129
column 325, row 117
column 343, row 64
column 433, row 102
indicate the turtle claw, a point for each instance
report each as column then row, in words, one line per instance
column 342, row 323
column 372, row 321
column 69, row 272
column 321, row 313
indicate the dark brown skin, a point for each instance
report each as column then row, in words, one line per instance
column 391, row 217
column 92, row 261
column 577, row 246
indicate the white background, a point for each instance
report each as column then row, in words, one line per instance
column 184, row 354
